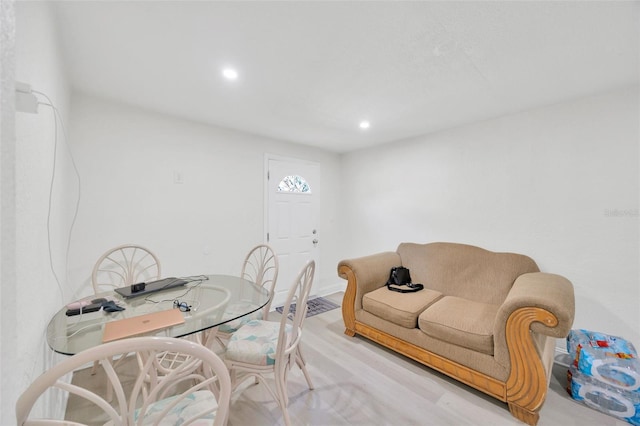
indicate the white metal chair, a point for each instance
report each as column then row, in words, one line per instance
column 261, row 347
column 199, row 389
column 124, row 265
column 261, row 267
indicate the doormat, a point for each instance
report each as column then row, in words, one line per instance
column 316, row 306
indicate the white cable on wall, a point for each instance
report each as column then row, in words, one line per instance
column 56, row 118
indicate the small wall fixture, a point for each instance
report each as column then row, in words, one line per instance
column 26, row 101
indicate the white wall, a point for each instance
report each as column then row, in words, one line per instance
column 38, row 297
column 127, row 158
column 8, row 293
column 559, row 184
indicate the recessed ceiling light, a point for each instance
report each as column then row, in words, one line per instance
column 365, row 124
column 230, row 74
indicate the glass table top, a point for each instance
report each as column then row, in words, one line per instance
column 208, row 298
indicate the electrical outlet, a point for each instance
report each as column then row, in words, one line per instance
column 26, row 101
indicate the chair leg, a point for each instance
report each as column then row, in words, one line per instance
column 232, row 374
column 281, row 393
column 210, row 338
column 94, row 370
column 109, row 385
column 221, row 343
column 303, row 366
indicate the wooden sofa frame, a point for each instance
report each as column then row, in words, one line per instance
column 526, row 387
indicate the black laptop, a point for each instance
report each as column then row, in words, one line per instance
column 150, row 287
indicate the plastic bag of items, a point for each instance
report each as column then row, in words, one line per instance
column 605, row 374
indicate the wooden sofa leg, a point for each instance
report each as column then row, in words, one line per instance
column 349, row 318
column 522, row 414
column 348, row 301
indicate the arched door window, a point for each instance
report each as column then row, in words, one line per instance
column 294, row 184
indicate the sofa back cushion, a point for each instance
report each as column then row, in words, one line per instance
column 464, row 271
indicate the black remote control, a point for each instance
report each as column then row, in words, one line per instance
column 85, row 309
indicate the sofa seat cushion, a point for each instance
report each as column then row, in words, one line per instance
column 400, row 308
column 462, row 322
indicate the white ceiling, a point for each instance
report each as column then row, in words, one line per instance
column 311, row 71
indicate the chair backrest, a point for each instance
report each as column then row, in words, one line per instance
column 124, row 265
column 204, row 370
column 294, row 317
column 261, row 266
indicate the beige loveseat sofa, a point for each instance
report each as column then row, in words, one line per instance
column 489, row 320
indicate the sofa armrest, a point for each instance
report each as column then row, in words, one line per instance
column 363, row 274
column 549, row 292
column 539, row 306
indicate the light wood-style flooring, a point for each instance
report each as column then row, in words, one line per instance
column 358, row 382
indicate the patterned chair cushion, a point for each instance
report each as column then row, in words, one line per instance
column 235, row 310
column 256, row 342
column 192, row 404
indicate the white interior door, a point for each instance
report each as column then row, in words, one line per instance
column 292, row 214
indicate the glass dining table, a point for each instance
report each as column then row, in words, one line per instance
column 204, row 301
